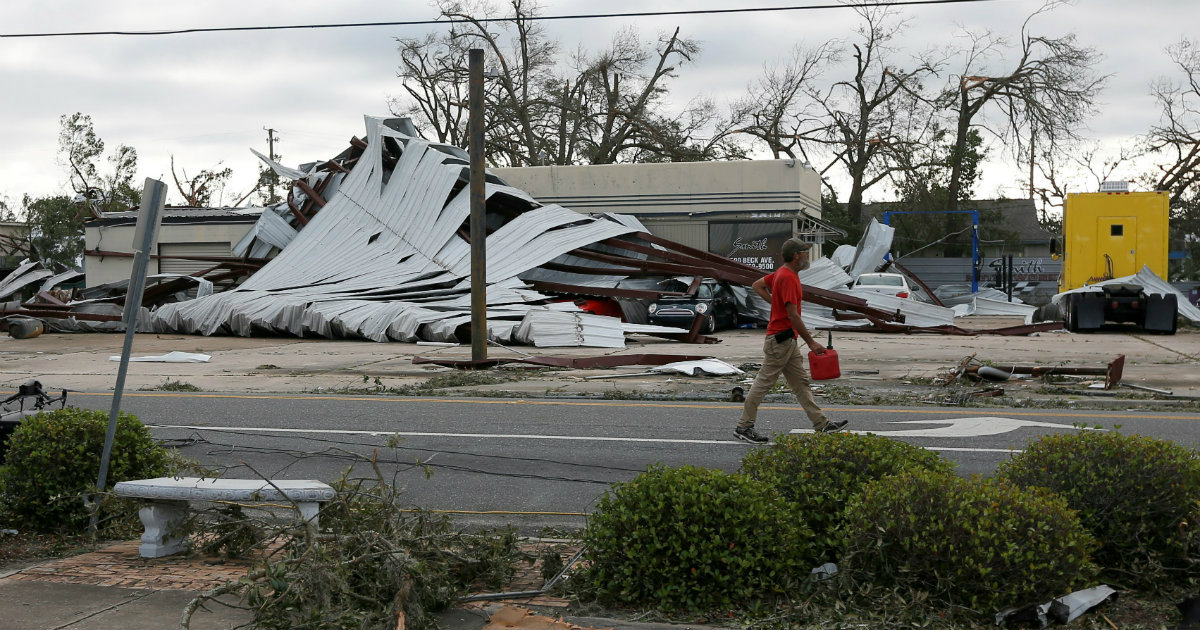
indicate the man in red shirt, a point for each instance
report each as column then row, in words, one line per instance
column 781, row 353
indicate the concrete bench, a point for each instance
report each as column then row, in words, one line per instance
column 169, row 496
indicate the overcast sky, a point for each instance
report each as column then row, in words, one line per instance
column 207, row 98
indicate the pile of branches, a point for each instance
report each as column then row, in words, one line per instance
column 375, row 563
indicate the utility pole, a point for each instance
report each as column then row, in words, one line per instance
column 268, row 176
column 478, row 222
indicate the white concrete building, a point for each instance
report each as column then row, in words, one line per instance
column 196, row 232
column 743, row 210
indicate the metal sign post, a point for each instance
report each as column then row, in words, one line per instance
column 154, row 197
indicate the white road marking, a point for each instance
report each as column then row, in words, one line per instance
column 963, row 427
column 518, row 436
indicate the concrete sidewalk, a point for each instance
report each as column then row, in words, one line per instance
column 870, row 361
column 115, row 588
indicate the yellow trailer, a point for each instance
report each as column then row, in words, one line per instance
column 1109, row 235
column 1113, row 234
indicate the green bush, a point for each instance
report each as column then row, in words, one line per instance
column 54, row 458
column 1137, row 495
column 821, row 473
column 983, row 545
column 695, row 539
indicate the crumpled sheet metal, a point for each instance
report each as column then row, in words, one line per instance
column 916, row 313
column 707, row 367
column 875, row 244
column 25, row 274
column 1000, row 306
column 383, row 259
column 1062, row 610
column 824, row 273
column 1153, row 285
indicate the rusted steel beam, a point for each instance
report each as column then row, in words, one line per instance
column 590, row 271
column 648, row 266
column 836, row 300
column 51, row 314
column 717, row 267
column 312, row 194
column 704, row 266
column 1112, row 372
column 309, row 207
column 296, row 211
column 920, row 283
column 712, row 258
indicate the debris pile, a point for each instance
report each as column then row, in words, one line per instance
column 375, row 244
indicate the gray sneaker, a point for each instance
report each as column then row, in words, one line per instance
column 833, row 426
column 750, row 435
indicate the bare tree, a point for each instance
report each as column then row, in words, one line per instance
column 628, row 121
column 871, row 116
column 1176, row 137
column 1072, row 167
column 1048, row 92
column 777, row 109
column 593, row 108
column 435, row 80
column 855, row 123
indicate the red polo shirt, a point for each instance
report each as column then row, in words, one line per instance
column 785, row 289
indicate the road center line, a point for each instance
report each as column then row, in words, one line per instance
column 509, row 436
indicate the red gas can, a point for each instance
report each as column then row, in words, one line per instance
column 824, row 366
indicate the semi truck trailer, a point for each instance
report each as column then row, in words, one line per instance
column 1109, row 235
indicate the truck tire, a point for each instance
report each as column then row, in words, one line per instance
column 1069, row 316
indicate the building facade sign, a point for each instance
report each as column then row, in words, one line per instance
column 751, row 243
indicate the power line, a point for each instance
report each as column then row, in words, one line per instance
column 582, row 16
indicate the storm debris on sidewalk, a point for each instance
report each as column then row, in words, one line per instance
column 699, row 367
column 171, row 357
column 1061, row 610
column 582, row 363
column 374, row 245
column 1112, row 372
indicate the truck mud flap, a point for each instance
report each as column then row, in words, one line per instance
column 1085, row 311
column 1161, row 314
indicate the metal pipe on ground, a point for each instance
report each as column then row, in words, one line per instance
column 1111, row 372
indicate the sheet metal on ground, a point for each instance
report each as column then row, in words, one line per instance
column 375, row 248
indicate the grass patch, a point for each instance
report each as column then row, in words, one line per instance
column 433, row 385
column 173, row 386
column 22, row 549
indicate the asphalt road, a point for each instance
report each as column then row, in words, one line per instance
column 543, row 462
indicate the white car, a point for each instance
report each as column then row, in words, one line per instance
column 885, row 284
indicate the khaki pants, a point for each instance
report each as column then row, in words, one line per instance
column 785, row 358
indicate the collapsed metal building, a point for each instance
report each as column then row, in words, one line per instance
column 374, row 244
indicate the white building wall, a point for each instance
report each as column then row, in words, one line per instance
column 687, row 188
column 119, row 238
